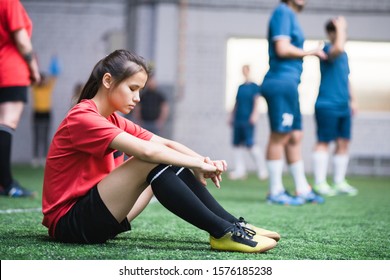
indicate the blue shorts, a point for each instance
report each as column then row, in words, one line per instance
column 333, row 124
column 243, row 134
column 283, row 105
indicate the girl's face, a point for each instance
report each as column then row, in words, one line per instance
column 125, row 96
column 245, row 72
column 298, row 4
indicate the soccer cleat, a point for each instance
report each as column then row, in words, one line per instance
column 260, row 231
column 16, row 190
column 324, row 189
column 240, row 239
column 284, row 198
column 312, row 197
column 345, row 188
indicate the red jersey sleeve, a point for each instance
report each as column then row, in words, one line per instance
column 17, row 17
column 14, row 70
column 92, row 133
column 131, row 127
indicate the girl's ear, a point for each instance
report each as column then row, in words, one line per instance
column 107, row 80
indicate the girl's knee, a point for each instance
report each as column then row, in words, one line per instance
column 342, row 146
column 295, row 138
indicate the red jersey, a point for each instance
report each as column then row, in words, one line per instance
column 79, row 157
column 14, row 70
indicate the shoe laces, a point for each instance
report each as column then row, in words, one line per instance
column 241, row 225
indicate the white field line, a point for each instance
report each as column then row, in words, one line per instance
column 21, row 210
column 33, row 210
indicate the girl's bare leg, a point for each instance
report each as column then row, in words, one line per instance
column 121, row 189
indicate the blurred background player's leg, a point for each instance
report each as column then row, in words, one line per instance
column 340, row 166
column 258, row 157
column 239, row 171
column 320, row 168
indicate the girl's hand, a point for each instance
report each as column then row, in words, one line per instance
column 201, row 172
column 340, row 23
column 320, row 54
column 216, row 176
column 253, row 119
column 354, row 107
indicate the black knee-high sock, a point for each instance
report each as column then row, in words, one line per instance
column 175, row 195
column 5, row 155
column 203, row 194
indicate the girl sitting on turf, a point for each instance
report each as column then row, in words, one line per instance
column 90, row 194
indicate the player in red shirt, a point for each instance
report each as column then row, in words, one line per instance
column 90, row 195
column 18, row 68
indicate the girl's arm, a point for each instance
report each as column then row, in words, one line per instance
column 163, row 151
column 341, row 37
column 24, row 46
column 284, row 49
column 255, row 114
column 176, row 146
column 220, row 165
column 352, row 101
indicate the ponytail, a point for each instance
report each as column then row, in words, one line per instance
column 121, row 64
column 91, row 86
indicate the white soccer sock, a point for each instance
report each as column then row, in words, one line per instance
column 340, row 165
column 320, row 166
column 298, row 172
column 239, row 161
column 275, row 170
column 258, row 157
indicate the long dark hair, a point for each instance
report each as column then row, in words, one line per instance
column 121, row 64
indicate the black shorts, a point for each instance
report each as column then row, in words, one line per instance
column 89, row 221
column 12, row 94
column 42, row 116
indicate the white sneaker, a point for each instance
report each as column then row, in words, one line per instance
column 345, row 188
column 324, row 189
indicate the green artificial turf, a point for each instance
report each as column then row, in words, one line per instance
column 344, row 228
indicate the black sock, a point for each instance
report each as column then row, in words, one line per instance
column 203, row 194
column 5, row 155
column 176, row 196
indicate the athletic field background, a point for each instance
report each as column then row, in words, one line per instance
column 343, row 228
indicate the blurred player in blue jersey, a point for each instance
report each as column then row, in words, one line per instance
column 333, row 113
column 243, row 120
column 280, row 89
